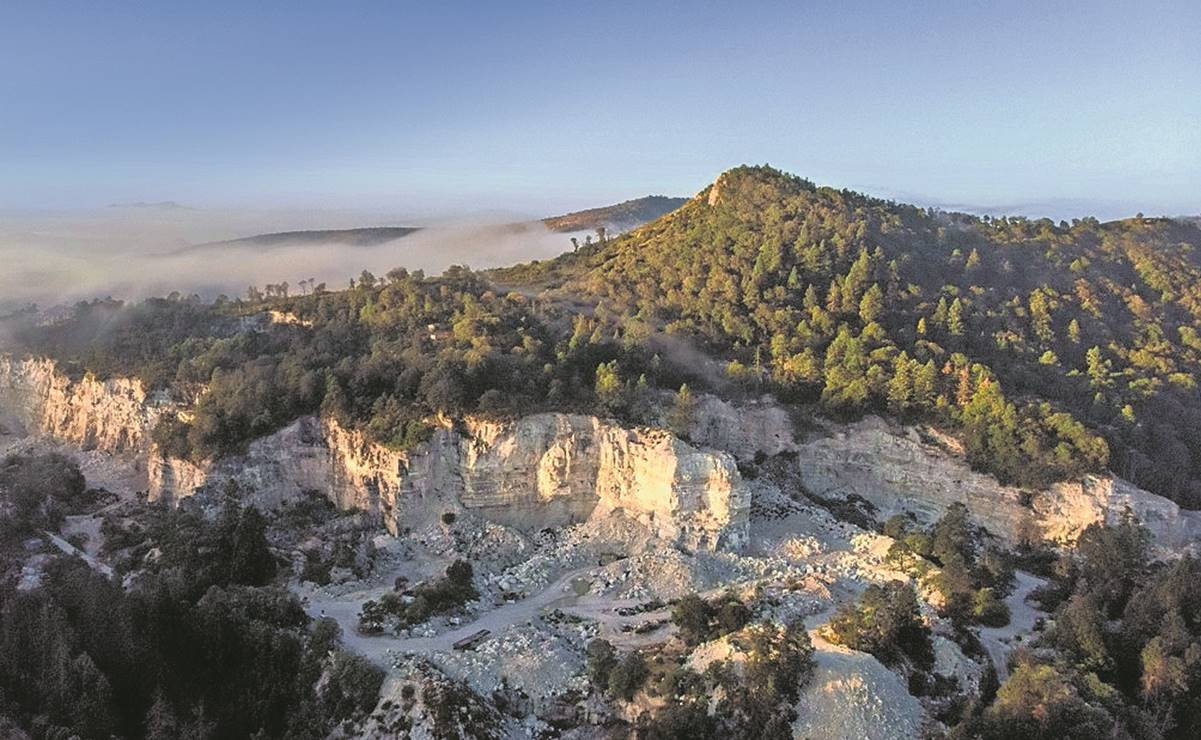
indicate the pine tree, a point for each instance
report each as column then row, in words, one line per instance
column 794, row 279
column 1074, row 332
column 834, row 297
column 940, row 312
column 683, row 410
column 925, row 385
column 1099, row 368
column 608, row 384
column 161, row 722
column 811, row 299
column 955, row 318
column 250, row 560
column 846, row 370
column 900, row 388
column 871, row 307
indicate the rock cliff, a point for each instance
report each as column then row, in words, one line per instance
column 745, row 430
column 112, row 416
column 543, row 470
column 901, row 469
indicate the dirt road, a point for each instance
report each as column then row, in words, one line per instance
column 377, row 647
column 1022, row 615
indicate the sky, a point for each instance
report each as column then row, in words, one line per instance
column 543, row 107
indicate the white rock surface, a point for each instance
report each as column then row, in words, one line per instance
column 543, row 470
column 898, row 470
column 851, row 695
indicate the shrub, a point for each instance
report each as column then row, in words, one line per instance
column 885, row 622
column 628, row 675
column 352, row 687
column 601, row 659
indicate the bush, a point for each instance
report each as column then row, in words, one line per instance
column 352, row 687
column 699, row 620
column 885, row 622
column 988, row 610
column 601, row 659
column 628, row 675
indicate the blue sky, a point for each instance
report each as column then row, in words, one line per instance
column 547, row 106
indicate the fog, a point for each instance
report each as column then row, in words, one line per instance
column 50, row 258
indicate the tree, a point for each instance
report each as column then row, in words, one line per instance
column 845, row 372
column 955, row 318
column 608, row 384
column 900, row 387
column 601, row 659
column 1037, row 701
column 250, row 559
column 683, row 410
column 628, row 675
column 885, row 622
column 352, row 686
column 460, row 573
column 811, row 299
column 692, row 615
column 871, row 306
column 1099, row 369
column 161, row 722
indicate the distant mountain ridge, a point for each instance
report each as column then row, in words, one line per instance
column 622, row 216
column 162, row 205
column 362, row 237
column 619, row 217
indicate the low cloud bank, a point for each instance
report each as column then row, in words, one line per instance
column 51, row 259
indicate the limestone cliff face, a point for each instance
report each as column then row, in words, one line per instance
column 113, row 416
column 743, row 430
column 897, row 470
column 580, row 464
column 543, row 470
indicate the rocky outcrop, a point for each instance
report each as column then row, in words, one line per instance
column 544, row 470
column 745, row 430
column 902, row 469
column 114, row 415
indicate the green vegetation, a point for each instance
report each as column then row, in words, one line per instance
column 1125, row 649
column 1052, row 349
column 382, row 357
column 636, row 212
column 196, row 647
column 887, row 623
column 971, row 579
column 699, row 620
column 757, row 697
column 423, row 602
column 37, row 491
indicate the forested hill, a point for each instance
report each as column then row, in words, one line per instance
column 1054, row 349
column 1051, row 350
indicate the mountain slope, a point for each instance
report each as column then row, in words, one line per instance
column 1034, row 340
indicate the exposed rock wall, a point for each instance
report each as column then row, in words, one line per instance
column 539, row 471
column 743, row 430
column 899, row 471
column 113, row 416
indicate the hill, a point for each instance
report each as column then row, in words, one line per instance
column 360, row 237
column 1052, row 349
column 620, row 217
